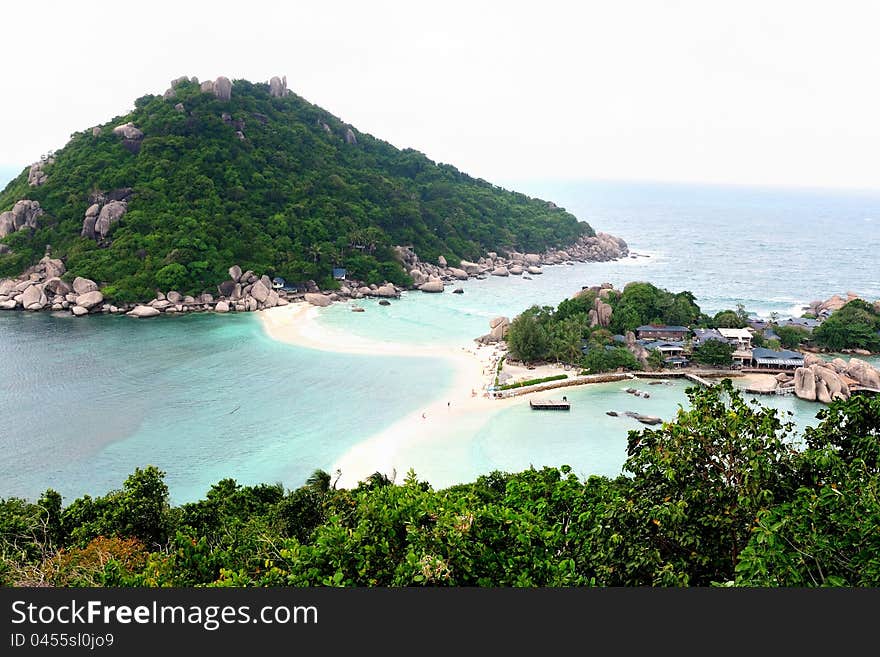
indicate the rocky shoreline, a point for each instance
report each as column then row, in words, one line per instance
column 43, row 287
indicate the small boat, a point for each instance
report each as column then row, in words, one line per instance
column 550, row 404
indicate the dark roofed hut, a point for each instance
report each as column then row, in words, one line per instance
column 662, row 332
column 782, row 359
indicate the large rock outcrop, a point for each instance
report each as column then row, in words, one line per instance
column 36, row 175
column 278, row 86
column 498, row 327
column 24, row 214
column 222, row 88
column 600, row 314
column 637, row 350
column 432, row 286
column 110, row 213
column 318, row 300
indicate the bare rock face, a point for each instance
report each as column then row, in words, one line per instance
column 534, row 270
column 432, row 286
column 603, row 313
column 387, row 290
column 350, row 137
column 805, row 384
column 51, row 267
column 174, row 296
column 498, row 327
column 24, row 214
column 207, row 87
column 57, row 286
column 83, row 285
column 143, row 311
column 470, row 267
column 33, row 298
column 827, row 380
column 515, row 270
column 179, row 107
column 318, row 300
column 260, row 292
column 278, row 87
column 89, row 300
column 636, row 349
column 500, row 271
column 864, row 373
column 36, row 175
column 221, row 307
column 7, row 225
column 459, row 274
column 442, row 261
column 222, row 88
column 128, row 131
column 79, row 311
column 109, row 215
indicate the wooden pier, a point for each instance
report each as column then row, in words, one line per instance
column 550, row 404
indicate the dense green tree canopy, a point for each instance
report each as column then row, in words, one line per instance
column 855, row 326
column 714, row 352
column 292, row 198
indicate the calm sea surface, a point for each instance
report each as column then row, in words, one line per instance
column 86, row 401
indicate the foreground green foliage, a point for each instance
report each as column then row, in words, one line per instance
column 721, row 495
column 292, row 199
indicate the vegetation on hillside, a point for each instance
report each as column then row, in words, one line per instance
column 292, row 199
column 723, row 494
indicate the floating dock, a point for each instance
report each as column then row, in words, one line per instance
column 550, row 404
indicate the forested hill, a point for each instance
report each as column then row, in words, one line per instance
column 171, row 194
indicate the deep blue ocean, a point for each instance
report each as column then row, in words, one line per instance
column 85, row 401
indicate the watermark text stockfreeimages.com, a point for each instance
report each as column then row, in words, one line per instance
column 210, row 617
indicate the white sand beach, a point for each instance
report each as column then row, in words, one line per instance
column 462, row 401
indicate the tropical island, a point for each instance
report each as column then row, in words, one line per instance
column 227, row 196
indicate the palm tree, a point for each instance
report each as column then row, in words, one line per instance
column 315, row 251
column 319, row 480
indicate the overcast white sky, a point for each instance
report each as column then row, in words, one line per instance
column 768, row 92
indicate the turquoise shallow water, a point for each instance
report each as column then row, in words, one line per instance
column 202, row 397
column 205, row 397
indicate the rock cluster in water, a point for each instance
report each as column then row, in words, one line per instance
column 825, row 381
column 432, row 278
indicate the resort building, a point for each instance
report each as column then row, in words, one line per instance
column 662, row 332
column 339, row 274
column 782, row 359
column 739, row 338
column 702, row 335
column 803, row 322
column 665, row 347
